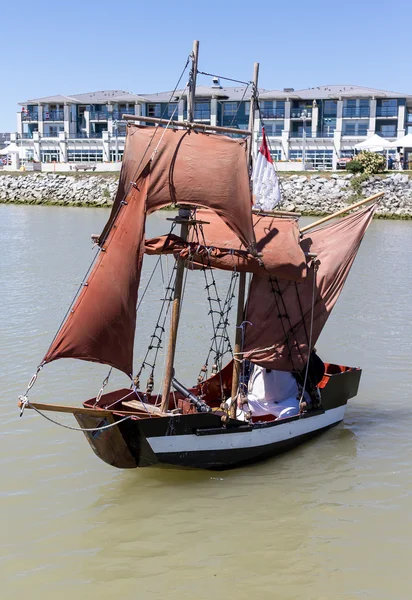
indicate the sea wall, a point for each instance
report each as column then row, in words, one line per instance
column 306, row 194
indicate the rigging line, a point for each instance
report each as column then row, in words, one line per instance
column 148, row 283
column 77, row 428
column 225, row 78
column 310, row 331
column 239, row 104
column 301, row 312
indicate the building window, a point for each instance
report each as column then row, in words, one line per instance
column 202, row 111
column 273, row 129
column 330, row 108
column 355, row 128
column 85, row 155
column 319, row 159
column 387, row 108
column 387, row 131
column 173, row 110
column 153, row 110
column 113, row 155
column 276, row 154
column 48, row 156
column 229, row 109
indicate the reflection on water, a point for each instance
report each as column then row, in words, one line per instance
column 330, row 519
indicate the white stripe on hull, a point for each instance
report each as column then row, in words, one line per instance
column 247, row 439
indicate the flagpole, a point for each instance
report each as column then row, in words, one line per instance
column 242, row 276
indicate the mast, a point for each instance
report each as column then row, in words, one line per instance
column 242, row 276
column 184, row 214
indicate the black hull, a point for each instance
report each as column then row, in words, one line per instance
column 201, row 440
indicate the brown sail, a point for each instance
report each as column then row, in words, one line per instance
column 187, row 167
column 279, row 312
column 101, row 325
column 215, row 245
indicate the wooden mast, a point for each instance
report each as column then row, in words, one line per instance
column 242, row 276
column 184, row 214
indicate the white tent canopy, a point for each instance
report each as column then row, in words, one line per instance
column 9, row 149
column 403, row 142
column 376, row 143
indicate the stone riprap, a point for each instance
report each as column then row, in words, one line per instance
column 312, row 194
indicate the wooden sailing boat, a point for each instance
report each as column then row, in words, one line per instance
column 296, row 279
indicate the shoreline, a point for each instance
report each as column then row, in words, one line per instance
column 310, row 194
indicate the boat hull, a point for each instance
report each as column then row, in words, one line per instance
column 201, row 440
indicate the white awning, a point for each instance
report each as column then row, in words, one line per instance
column 376, row 143
column 403, row 142
column 9, row 149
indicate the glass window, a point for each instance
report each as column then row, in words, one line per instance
column 153, row 110
column 330, row 108
column 230, row 109
column 85, row 155
column 172, row 110
column 48, row 156
column 202, row 110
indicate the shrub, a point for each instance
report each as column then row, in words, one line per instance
column 354, row 166
column 369, row 162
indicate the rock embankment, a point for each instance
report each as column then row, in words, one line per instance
column 313, row 194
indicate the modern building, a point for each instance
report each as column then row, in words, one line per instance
column 316, row 125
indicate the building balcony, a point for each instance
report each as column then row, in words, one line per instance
column 296, row 113
column 53, row 115
column 50, row 134
column 99, row 115
column 299, row 134
column 78, row 136
column 119, row 133
column 324, row 134
column 383, row 111
column 29, row 116
column 356, row 113
column 272, row 113
column 389, row 133
column 28, row 135
column 117, row 114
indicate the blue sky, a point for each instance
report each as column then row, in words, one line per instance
column 73, row 47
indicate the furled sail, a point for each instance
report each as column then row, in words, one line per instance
column 279, row 312
column 192, row 168
column 101, row 325
column 215, row 245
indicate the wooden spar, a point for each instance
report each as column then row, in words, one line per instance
column 275, row 213
column 341, row 212
column 242, row 276
column 200, row 126
column 79, row 410
column 184, row 214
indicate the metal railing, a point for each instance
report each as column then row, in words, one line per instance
column 386, row 111
column 97, row 115
column 324, row 134
column 29, row 116
column 117, row 114
column 387, row 134
column 53, row 115
column 296, row 113
column 50, row 134
column 356, row 112
column 25, row 136
column 272, row 113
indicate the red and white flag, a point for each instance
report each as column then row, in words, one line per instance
column 266, row 189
